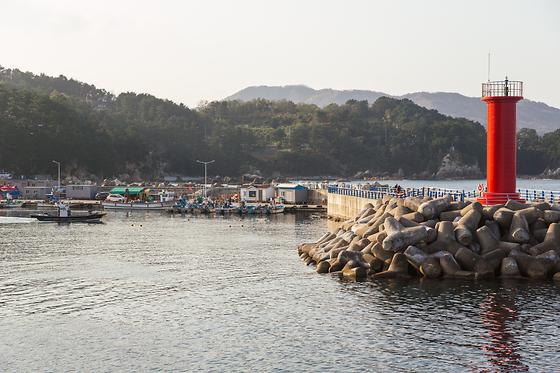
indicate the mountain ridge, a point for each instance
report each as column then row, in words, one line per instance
column 530, row 114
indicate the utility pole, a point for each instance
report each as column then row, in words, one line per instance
column 205, row 163
column 58, row 164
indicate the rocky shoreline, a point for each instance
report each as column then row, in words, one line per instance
column 440, row 238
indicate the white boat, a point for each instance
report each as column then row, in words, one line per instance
column 136, row 205
column 276, row 209
column 10, row 204
column 162, row 200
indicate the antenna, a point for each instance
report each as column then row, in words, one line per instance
column 488, row 65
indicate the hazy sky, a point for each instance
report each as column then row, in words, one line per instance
column 188, row 51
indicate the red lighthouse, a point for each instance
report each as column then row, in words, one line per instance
column 501, row 98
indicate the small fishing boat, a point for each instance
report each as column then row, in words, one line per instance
column 224, row 210
column 63, row 215
column 89, row 218
column 275, row 209
column 10, row 204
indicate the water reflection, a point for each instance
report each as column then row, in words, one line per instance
column 428, row 307
column 498, row 315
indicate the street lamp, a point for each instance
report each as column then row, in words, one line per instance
column 205, row 173
column 58, row 164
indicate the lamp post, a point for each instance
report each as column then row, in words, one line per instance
column 58, row 164
column 205, row 163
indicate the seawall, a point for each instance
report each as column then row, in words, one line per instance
column 345, row 207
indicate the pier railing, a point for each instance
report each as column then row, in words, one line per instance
column 532, row 195
column 551, row 196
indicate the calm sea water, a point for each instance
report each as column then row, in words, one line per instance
column 150, row 292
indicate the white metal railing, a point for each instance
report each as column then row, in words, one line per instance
column 531, row 195
column 380, row 192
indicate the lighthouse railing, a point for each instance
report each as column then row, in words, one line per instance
column 502, row 88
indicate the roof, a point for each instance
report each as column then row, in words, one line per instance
column 132, row 191
column 258, row 186
column 291, row 186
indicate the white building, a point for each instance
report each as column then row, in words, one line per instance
column 87, row 191
column 256, row 193
column 292, row 193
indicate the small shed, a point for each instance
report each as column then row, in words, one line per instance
column 292, row 193
column 256, row 193
column 87, row 191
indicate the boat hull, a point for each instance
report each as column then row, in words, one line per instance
column 11, row 205
column 278, row 210
column 96, row 217
column 136, row 205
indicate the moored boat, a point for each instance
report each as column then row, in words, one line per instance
column 138, row 198
column 275, row 209
column 137, row 205
column 226, row 210
column 10, row 204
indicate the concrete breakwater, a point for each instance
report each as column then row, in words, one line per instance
column 343, row 207
column 436, row 238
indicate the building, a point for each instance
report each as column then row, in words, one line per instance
column 35, row 192
column 292, row 193
column 256, row 193
column 87, row 191
column 22, row 184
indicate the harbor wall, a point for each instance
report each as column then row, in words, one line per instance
column 345, row 207
column 317, row 197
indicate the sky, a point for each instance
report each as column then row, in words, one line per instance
column 189, row 51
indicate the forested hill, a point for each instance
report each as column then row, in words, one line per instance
column 55, row 85
column 138, row 136
column 530, row 114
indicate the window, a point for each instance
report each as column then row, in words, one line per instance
column 252, row 194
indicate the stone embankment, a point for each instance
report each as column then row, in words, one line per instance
column 439, row 238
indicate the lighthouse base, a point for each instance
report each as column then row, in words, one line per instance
column 493, row 198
